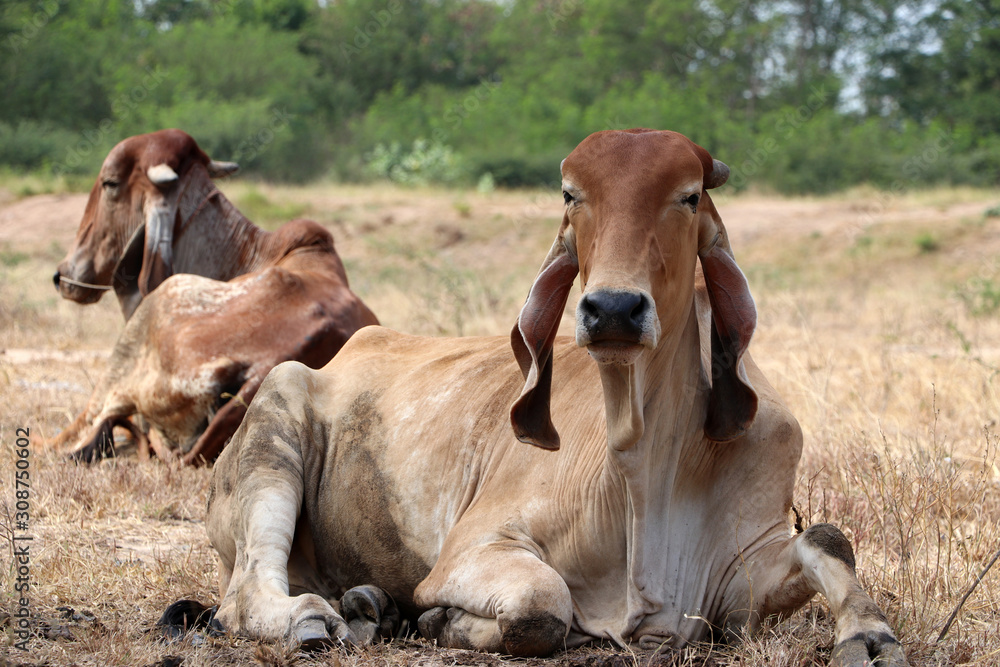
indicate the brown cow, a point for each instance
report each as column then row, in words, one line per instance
column 662, row 519
column 154, row 211
column 195, row 349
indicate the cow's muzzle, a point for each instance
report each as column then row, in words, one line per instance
column 75, row 290
column 615, row 325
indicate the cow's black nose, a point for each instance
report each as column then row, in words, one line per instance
column 55, row 279
column 613, row 315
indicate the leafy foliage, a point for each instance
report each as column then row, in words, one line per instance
column 799, row 96
column 424, row 163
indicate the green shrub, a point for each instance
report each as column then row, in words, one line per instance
column 509, row 171
column 31, row 145
column 926, row 243
column 423, row 163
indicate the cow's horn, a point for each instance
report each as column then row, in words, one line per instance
column 219, row 169
column 161, row 174
column 719, row 175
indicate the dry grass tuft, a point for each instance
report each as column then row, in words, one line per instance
column 886, row 349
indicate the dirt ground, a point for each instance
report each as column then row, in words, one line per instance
column 878, row 322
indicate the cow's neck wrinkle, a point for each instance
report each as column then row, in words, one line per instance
column 220, row 240
column 670, row 387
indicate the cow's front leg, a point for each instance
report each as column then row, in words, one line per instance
column 785, row 576
column 253, row 512
column 497, row 597
column 256, row 601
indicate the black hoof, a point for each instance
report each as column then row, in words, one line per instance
column 185, row 615
column 370, row 613
column 431, row 623
column 101, row 446
column 534, row 636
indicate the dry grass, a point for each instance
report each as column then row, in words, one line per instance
column 878, row 323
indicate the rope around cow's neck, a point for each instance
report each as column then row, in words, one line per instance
column 64, row 279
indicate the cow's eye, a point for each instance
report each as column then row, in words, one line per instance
column 567, row 197
column 692, row 201
column 109, row 183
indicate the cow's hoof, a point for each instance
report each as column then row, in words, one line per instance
column 869, row 649
column 186, row 615
column 315, row 625
column 87, row 455
column 431, row 623
column 319, row 632
column 370, row 613
column 539, row 635
column 311, row 634
column 100, row 446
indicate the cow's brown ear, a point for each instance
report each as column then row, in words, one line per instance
column 125, row 279
column 531, row 340
column 158, row 250
column 733, row 401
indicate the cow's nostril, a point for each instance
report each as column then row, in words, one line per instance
column 589, row 311
column 55, row 279
column 638, row 314
column 613, row 315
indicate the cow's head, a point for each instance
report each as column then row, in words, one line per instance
column 131, row 214
column 638, row 214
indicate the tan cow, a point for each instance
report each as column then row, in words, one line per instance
column 195, row 349
column 661, row 519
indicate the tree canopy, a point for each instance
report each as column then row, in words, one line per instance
column 796, row 95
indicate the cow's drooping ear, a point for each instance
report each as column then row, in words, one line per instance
column 158, row 250
column 531, row 340
column 125, row 279
column 733, row 402
column 219, row 169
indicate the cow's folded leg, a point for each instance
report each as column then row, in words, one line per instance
column 257, row 601
column 452, row 627
column 497, row 598
column 160, row 446
column 252, row 519
column 821, row 560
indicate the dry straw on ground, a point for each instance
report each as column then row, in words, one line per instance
column 879, row 323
